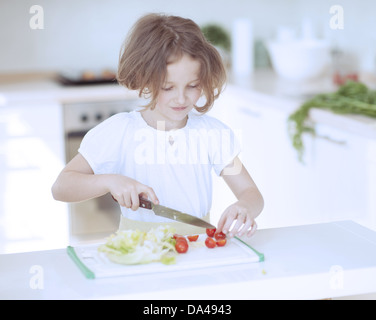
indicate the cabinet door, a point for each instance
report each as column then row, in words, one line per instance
column 268, row 155
column 335, row 181
column 341, row 175
column 286, row 183
column 370, row 219
column 31, row 156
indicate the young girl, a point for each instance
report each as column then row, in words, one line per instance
column 166, row 150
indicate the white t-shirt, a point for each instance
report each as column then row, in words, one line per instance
column 176, row 164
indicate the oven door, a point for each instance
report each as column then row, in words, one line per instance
column 92, row 219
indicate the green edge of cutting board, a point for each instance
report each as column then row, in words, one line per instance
column 259, row 254
column 85, row 270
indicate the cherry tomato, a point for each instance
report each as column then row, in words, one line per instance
column 210, row 242
column 181, row 245
column 221, row 242
column 181, row 238
column 193, row 238
column 210, row 232
column 219, row 235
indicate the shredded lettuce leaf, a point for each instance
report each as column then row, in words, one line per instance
column 139, row 247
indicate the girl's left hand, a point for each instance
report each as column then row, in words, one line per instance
column 244, row 221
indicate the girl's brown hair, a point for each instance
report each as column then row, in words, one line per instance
column 157, row 39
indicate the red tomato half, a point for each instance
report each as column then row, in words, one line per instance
column 193, row 238
column 210, row 232
column 181, row 245
column 210, row 242
column 219, row 235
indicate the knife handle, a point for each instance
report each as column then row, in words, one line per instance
column 145, row 203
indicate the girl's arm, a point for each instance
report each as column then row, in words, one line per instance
column 248, row 206
column 77, row 182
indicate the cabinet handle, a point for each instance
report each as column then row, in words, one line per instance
column 331, row 140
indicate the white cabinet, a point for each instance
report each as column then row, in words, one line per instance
column 31, row 156
column 344, row 173
column 336, row 181
column 268, row 155
column 371, row 183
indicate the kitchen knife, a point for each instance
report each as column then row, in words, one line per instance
column 169, row 213
column 172, row 214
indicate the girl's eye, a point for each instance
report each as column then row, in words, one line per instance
column 190, row 87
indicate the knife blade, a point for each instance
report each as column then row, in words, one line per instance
column 173, row 214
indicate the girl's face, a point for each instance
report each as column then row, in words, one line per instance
column 180, row 92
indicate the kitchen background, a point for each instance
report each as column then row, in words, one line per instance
column 87, row 34
column 335, row 182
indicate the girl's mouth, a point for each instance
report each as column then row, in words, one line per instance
column 179, row 108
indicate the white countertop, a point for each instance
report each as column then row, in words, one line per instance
column 301, row 262
column 271, row 91
column 46, row 89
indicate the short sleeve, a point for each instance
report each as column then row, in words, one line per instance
column 102, row 145
column 224, row 146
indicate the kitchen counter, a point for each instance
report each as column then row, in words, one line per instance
column 268, row 90
column 45, row 88
column 301, row 262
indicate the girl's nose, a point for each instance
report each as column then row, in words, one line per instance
column 181, row 98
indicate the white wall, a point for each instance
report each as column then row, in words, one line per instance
column 88, row 33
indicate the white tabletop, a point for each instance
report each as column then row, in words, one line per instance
column 301, row 262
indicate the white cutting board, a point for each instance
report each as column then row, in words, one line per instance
column 95, row 264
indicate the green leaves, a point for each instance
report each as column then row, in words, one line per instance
column 217, row 36
column 350, row 98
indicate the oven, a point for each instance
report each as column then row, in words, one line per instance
column 96, row 218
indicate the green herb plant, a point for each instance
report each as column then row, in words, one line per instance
column 217, row 36
column 351, row 98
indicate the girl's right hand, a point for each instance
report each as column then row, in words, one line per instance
column 126, row 191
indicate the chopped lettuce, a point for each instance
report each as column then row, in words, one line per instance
column 138, row 247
